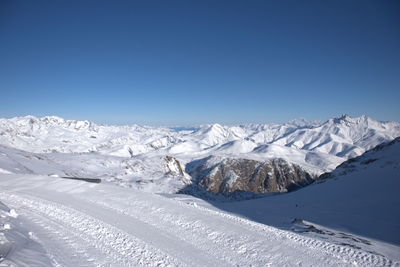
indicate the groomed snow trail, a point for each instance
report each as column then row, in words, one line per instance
column 81, row 224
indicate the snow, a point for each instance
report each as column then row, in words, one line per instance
column 237, row 147
column 334, row 140
column 360, row 199
column 132, row 156
column 100, row 224
column 17, row 245
column 46, row 220
column 146, row 173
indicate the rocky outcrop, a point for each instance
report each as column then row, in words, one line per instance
column 173, row 166
column 229, row 175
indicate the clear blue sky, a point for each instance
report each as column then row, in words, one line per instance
column 197, row 61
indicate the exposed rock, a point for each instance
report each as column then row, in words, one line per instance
column 173, row 166
column 229, row 175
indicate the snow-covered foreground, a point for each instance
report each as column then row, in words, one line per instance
column 85, row 224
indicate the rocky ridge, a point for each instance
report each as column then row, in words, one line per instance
column 226, row 176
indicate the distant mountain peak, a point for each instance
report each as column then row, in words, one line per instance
column 342, row 118
column 349, row 119
column 301, row 122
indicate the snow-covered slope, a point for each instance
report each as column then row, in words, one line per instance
column 344, row 137
column 361, row 196
column 83, row 224
column 18, row 246
column 154, row 174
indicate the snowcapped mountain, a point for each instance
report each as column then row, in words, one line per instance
column 314, row 147
column 53, row 134
column 338, row 136
column 344, row 137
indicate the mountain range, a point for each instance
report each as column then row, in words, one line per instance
column 140, row 156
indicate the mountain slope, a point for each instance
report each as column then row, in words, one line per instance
column 158, row 174
column 344, row 136
column 229, row 175
column 134, row 155
column 360, row 196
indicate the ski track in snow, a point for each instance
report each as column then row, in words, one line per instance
column 102, row 229
column 247, row 247
column 67, row 247
column 120, row 247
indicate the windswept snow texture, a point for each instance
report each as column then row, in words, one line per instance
column 18, row 246
column 83, row 224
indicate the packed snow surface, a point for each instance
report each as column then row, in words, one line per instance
column 84, row 224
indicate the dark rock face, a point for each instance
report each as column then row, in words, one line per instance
column 231, row 175
column 173, row 166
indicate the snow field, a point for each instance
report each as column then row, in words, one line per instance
column 113, row 226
